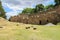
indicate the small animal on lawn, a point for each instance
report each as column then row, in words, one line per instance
column 27, row 27
column 34, row 28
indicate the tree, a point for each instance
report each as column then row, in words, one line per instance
column 57, row 2
column 51, row 6
column 39, row 7
column 28, row 10
column 2, row 12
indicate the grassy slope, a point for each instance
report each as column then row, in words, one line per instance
column 16, row 31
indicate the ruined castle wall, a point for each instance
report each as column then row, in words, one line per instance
column 50, row 16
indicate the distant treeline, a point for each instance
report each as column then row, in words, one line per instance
column 40, row 8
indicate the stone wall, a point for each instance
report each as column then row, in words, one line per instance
column 50, row 16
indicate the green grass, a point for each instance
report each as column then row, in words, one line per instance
column 13, row 32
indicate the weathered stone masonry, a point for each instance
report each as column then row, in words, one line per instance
column 50, row 16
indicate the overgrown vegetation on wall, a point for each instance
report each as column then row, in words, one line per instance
column 39, row 15
column 40, row 8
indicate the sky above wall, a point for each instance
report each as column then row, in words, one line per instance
column 13, row 7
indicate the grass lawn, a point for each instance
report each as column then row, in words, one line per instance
column 16, row 31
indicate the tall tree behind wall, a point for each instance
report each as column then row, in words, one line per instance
column 2, row 12
column 57, row 2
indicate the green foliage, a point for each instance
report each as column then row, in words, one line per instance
column 57, row 2
column 28, row 10
column 2, row 12
column 39, row 7
column 51, row 6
